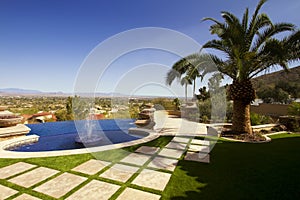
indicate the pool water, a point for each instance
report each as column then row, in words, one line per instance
column 61, row 135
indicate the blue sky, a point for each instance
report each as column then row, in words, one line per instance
column 44, row 42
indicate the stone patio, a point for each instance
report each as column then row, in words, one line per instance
column 14, row 169
column 181, row 139
column 119, row 172
column 136, row 159
column 200, row 142
column 197, row 157
column 147, row 150
column 176, row 145
column 134, row 194
column 112, row 176
column 95, row 190
column 198, row 148
column 163, row 163
column 173, row 153
column 60, row 185
column 26, row 197
column 33, row 177
column 91, row 167
column 6, row 192
column 152, row 179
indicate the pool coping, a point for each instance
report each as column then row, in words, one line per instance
column 25, row 139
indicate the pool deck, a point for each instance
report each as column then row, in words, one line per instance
column 148, row 168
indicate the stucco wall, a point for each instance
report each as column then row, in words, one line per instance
column 270, row 109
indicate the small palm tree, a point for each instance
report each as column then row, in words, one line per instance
column 250, row 48
column 193, row 66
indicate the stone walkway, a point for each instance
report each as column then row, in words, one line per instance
column 133, row 177
column 147, row 167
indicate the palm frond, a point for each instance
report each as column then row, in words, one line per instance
column 254, row 16
column 171, row 76
column 271, row 31
column 245, row 19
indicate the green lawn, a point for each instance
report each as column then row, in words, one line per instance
column 236, row 170
column 242, row 171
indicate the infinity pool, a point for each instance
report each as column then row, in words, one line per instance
column 61, row 135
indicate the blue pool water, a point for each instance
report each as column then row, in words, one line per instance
column 61, row 135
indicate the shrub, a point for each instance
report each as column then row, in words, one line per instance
column 294, row 109
column 257, row 119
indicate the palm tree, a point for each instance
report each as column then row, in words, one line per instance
column 250, row 48
column 193, row 66
column 185, row 81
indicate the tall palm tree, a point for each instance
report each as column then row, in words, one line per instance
column 185, row 81
column 250, row 48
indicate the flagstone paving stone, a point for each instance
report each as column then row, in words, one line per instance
column 33, row 177
column 198, row 148
column 60, row 185
column 134, row 194
column 200, row 142
column 26, row 197
column 147, row 150
column 95, row 190
column 163, row 163
column 135, row 158
column 91, row 167
column 176, row 145
column 152, row 179
column 198, row 157
column 14, row 169
column 181, row 139
column 173, row 153
column 6, row 192
column 119, row 172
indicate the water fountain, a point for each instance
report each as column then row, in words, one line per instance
column 88, row 136
column 10, row 126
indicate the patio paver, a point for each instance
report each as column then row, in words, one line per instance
column 134, row 194
column 147, row 150
column 26, row 197
column 163, row 163
column 6, row 192
column 95, row 190
column 173, row 153
column 60, row 185
column 14, row 169
column 91, row 167
column 176, row 145
column 181, row 139
column 119, row 172
column 33, row 177
column 198, row 157
column 200, row 142
column 198, row 148
column 152, row 179
column 135, row 158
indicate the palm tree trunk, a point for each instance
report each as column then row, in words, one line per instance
column 186, row 92
column 241, row 117
column 194, row 87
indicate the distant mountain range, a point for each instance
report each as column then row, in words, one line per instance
column 293, row 75
column 19, row 91
column 28, row 92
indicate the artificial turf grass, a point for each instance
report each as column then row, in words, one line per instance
column 241, row 171
column 237, row 170
column 67, row 163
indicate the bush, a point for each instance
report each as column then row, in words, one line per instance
column 292, row 123
column 294, row 109
column 257, row 119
